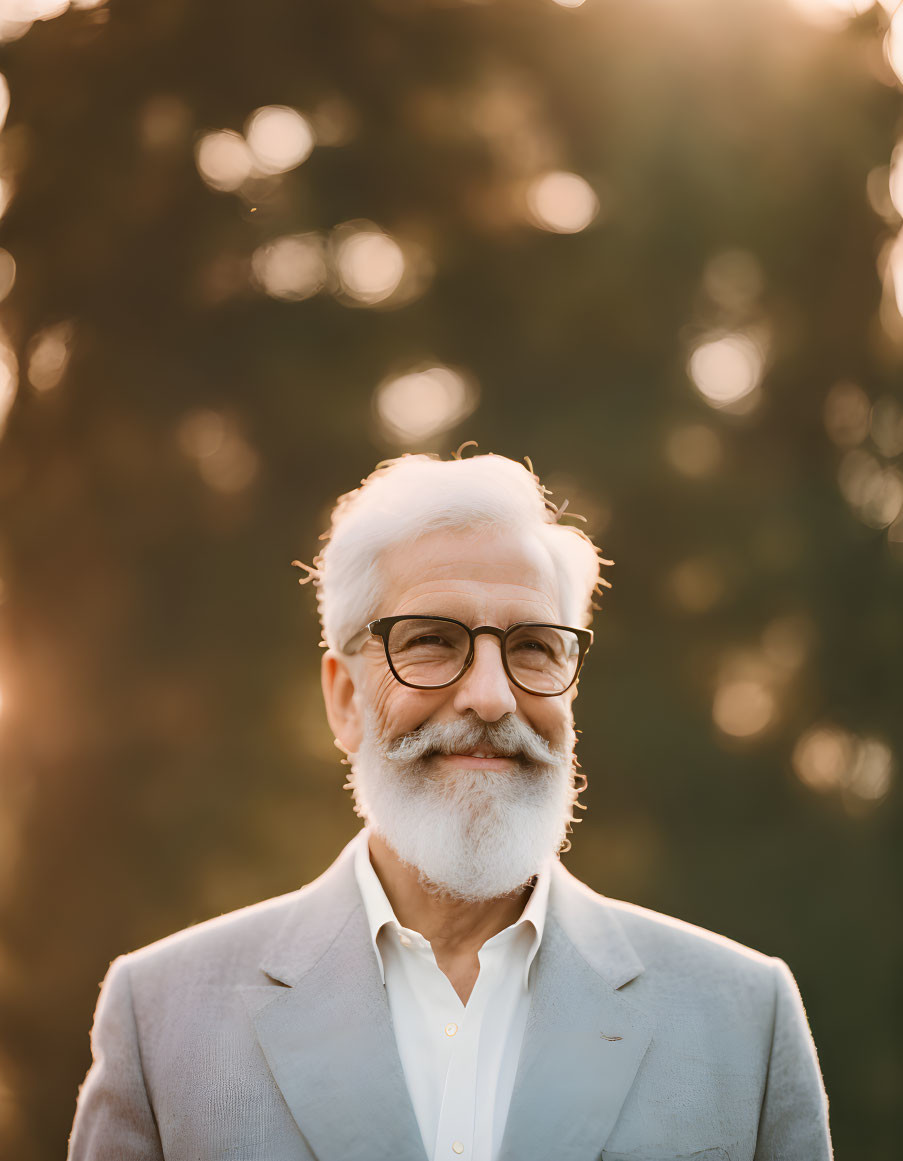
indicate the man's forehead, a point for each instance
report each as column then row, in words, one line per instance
column 501, row 564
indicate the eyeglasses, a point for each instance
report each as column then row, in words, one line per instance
column 432, row 652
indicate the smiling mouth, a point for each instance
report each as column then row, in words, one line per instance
column 479, row 756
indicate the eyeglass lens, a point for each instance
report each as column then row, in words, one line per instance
column 432, row 653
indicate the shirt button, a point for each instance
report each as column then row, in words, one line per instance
column 404, row 940
column 450, row 1030
column 457, row 1147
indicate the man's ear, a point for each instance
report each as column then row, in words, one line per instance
column 340, row 694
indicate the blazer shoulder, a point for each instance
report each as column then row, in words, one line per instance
column 228, row 948
column 213, row 947
column 670, row 944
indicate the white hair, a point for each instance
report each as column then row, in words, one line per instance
column 408, row 497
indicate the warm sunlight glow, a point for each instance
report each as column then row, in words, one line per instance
column 831, row 13
column 726, row 369
column 279, row 138
column 562, row 202
column 423, row 403
column 291, row 268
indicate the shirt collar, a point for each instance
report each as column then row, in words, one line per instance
column 379, row 910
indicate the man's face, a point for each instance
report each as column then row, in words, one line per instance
column 481, row 579
column 471, row 784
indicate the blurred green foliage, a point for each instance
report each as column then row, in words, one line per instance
column 164, row 753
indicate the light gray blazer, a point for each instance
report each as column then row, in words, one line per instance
column 265, row 1035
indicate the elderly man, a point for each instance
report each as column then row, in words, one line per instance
column 446, row 988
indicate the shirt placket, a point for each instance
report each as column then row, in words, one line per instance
column 457, row 1117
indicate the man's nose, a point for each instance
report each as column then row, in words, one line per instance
column 485, row 687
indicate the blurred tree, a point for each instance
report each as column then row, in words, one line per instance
column 213, row 317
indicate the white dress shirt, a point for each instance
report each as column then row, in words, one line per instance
column 459, row 1062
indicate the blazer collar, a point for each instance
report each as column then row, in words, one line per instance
column 328, row 1039
column 584, row 1040
column 326, row 1032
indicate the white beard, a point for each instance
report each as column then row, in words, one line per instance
column 471, row 834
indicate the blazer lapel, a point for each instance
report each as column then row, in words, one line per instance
column 326, row 1032
column 584, row 1040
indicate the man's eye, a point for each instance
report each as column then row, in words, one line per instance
column 427, row 641
column 532, row 645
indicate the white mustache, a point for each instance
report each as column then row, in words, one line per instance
column 508, row 737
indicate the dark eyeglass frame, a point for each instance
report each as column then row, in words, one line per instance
column 383, row 626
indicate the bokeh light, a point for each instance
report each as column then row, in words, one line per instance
column 369, row 263
column 6, row 194
column 733, row 279
column 886, row 427
column 694, row 450
column 334, row 121
column 279, row 138
column 9, row 380
column 7, row 273
column 563, row 203
column 48, row 356
column 224, row 459
column 827, row 758
column 787, row 641
column 18, row 16
column 164, row 122
column 28, row 11
column 894, row 178
column 891, row 265
column 877, row 188
column 696, row 585
column 893, row 42
column 822, row 756
column 874, row 492
column 743, row 706
column 727, row 369
column 422, row 403
column 291, row 268
column 831, row 13
column 224, row 160
column 846, row 414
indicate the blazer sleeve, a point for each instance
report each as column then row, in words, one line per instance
column 114, row 1120
column 793, row 1125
